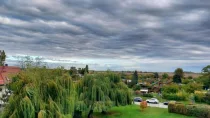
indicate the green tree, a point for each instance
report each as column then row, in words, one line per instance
column 123, row 75
column 172, row 88
column 206, row 70
column 99, row 92
column 2, row 57
column 41, row 92
column 179, row 72
column 83, row 70
column 134, row 79
column 73, row 71
column 192, row 87
column 156, row 75
column 86, row 69
column 165, row 76
column 205, row 78
column 178, row 75
column 177, row 79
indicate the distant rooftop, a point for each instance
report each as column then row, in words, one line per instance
column 5, row 71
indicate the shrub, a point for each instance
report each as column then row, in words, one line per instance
column 180, row 108
column 182, row 95
column 186, row 81
column 198, row 111
column 189, row 110
column 171, row 107
column 165, row 76
column 192, row 87
column 202, row 97
column 207, row 98
column 173, row 88
column 137, row 92
column 148, row 95
column 143, row 105
column 136, row 87
column 176, row 96
column 199, row 96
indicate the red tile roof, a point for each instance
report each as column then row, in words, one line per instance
column 5, row 71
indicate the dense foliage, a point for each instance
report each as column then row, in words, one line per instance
column 172, row 88
column 192, row 87
column 179, row 72
column 178, row 75
column 205, row 78
column 199, row 111
column 203, row 97
column 177, row 79
column 174, row 92
column 156, row 75
column 43, row 93
column 179, row 96
column 99, row 92
column 165, row 76
column 134, row 79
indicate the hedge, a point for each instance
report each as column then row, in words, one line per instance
column 200, row 111
column 148, row 95
column 171, row 96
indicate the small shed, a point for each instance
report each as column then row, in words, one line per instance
column 144, row 91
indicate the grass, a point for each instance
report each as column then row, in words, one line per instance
column 133, row 111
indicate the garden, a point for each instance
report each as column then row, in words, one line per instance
column 134, row 111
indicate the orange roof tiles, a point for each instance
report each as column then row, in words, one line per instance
column 5, row 71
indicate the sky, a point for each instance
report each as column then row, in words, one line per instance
column 143, row 35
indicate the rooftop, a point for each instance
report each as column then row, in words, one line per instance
column 6, row 71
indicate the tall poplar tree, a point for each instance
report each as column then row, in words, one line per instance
column 86, row 69
column 134, row 78
column 2, row 57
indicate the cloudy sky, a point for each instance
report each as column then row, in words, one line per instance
column 146, row 35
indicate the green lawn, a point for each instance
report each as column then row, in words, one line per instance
column 133, row 111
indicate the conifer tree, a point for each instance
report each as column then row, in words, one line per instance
column 2, row 57
column 134, row 78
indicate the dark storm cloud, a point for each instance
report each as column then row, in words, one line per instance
column 107, row 29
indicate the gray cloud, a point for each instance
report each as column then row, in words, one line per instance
column 97, row 32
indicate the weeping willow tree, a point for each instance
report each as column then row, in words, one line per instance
column 41, row 93
column 100, row 92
